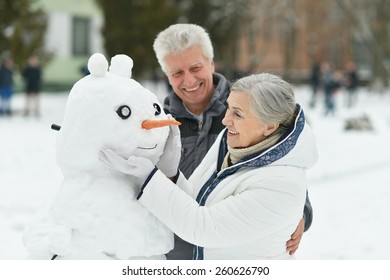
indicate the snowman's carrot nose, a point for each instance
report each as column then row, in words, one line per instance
column 149, row 124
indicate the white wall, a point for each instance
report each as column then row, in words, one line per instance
column 64, row 67
column 59, row 34
column 96, row 38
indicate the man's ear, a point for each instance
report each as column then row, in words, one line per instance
column 271, row 129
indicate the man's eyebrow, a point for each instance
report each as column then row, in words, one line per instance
column 175, row 71
column 197, row 63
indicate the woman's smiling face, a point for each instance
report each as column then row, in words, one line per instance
column 245, row 129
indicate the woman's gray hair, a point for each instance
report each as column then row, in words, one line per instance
column 179, row 37
column 272, row 98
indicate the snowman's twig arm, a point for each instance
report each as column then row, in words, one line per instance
column 55, row 127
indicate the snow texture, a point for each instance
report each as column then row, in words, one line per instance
column 349, row 187
column 95, row 214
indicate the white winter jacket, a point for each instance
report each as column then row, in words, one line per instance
column 246, row 211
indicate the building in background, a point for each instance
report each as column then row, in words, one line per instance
column 73, row 34
column 282, row 37
column 288, row 37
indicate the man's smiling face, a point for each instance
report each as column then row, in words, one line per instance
column 190, row 74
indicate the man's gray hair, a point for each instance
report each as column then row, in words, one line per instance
column 272, row 98
column 179, row 37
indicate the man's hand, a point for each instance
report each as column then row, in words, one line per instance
column 293, row 244
column 170, row 159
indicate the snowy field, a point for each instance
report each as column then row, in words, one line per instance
column 349, row 187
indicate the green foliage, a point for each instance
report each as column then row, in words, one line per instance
column 131, row 27
column 22, row 29
column 8, row 12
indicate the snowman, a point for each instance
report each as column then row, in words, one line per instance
column 95, row 214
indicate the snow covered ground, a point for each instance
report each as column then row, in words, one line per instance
column 349, row 186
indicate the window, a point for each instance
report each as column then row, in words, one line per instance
column 81, row 36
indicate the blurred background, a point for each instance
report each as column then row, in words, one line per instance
column 286, row 37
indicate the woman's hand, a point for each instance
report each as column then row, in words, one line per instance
column 138, row 167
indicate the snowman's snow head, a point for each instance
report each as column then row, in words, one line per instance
column 109, row 109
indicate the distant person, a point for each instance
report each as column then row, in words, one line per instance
column 351, row 84
column 32, row 75
column 331, row 82
column 6, row 86
column 315, row 79
column 84, row 70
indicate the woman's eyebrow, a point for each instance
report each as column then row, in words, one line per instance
column 234, row 107
column 237, row 108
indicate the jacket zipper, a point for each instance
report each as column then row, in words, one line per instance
column 200, row 126
column 215, row 175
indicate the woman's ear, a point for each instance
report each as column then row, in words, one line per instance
column 271, row 129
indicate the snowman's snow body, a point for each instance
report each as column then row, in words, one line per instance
column 95, row 214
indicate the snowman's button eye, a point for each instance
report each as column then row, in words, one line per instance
column 158, row 109
column 124, row 112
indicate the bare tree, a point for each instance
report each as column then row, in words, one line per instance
column 371, row 20
column 270, row 24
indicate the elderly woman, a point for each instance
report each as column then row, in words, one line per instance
column 248, row 194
